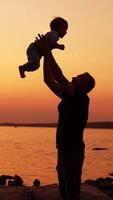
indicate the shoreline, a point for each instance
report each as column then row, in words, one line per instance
column 104, row 125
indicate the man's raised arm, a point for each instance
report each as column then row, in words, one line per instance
column 55, row 69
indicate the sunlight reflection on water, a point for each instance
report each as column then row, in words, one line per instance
column 31, row 153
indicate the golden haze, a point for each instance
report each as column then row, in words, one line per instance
column 89, row 43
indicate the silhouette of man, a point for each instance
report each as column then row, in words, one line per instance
column 73, row 116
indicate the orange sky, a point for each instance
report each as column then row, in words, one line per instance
column 89, row 47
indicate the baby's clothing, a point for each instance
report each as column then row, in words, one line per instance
column 34, row 54
column 52, row 36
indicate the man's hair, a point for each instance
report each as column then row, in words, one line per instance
column 56, row 22
column 91, row 82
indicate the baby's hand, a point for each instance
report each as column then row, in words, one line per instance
column 62, row 47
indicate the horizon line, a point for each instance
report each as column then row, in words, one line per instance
column 94, row 124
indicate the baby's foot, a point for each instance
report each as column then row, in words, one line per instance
column 22, row 72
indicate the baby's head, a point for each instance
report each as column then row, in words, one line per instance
column 59, row 25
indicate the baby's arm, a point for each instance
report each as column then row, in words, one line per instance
column 55, row 45
column 52, row 38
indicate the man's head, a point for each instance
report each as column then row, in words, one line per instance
column 84, row 82
column 59, row 25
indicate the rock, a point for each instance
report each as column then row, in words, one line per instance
column 36, row 182
column 91, row 182
column 109, row 179
column 10, row 182
column 2, row 181
column 18, row 181
column 98, row 148
column 100, row 180
column 104, row 184
column 6, row 177
column 111, row 174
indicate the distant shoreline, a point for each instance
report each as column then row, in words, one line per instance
column 107, row 125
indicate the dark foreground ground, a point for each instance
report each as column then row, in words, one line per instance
column 48, row 192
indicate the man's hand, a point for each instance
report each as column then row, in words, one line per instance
column 42, row 44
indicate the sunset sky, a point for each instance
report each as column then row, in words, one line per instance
column 88, row 47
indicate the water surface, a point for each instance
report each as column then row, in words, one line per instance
column 31, row 153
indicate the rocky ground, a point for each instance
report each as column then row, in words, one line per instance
column 103, row 184
column 48, row 192
column 12, row 188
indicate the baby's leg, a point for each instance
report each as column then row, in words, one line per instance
column 33, row 62
column 29, row 66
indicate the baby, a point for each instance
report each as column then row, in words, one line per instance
column 58, row 30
